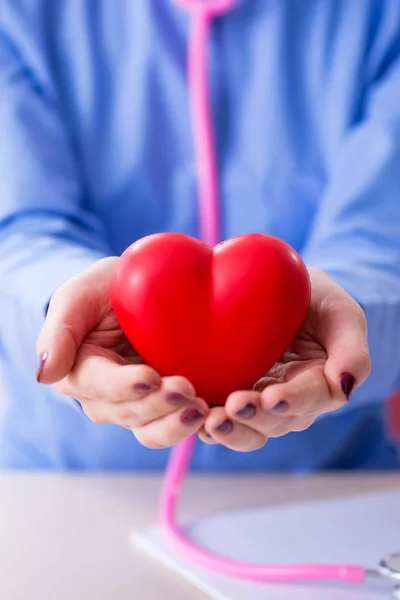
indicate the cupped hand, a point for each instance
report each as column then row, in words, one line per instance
column 88, row 358
column 326, row 362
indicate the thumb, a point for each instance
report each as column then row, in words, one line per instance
column 75, row 309
column 342, row 330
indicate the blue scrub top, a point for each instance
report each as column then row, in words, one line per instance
column 96, row 151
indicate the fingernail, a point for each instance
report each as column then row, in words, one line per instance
column 225, row 427
column 41, row 360
column 347, row 383
column 190, row 416
column 247, row 411
column 281, row 407
column 145, row 388
column 177, row 398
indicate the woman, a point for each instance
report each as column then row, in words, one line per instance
column 97, row 151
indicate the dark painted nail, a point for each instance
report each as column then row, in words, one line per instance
column 190, row 416
column 281, row 407
column 41, row 360
column 145, row 388
column 247, row 411
column 177, row 398
column 225, row 427
column 347, row 383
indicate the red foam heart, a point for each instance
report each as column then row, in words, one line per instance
column 219, row 316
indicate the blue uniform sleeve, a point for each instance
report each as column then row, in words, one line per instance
column 356, row 235
column 46, row 234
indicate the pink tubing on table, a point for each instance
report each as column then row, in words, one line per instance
column 202, row 13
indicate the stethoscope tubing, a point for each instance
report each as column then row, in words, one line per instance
column 201, row 15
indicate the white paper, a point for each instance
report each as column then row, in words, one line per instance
column 357, row 531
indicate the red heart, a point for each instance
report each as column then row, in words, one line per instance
column 219, row 316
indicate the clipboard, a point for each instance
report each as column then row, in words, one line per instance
column 357, row 530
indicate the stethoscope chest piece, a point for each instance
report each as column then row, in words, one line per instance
column 389, row 567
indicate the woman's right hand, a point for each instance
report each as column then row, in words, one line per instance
column 83, row 351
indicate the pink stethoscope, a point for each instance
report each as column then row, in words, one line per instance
column 202, row 13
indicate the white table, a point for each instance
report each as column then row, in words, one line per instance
column 66, row 537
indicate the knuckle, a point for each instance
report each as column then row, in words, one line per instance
column 120, row 397
column 127, row 416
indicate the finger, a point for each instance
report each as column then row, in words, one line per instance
column 128, row 395
column 232, row 434
column 243, row 406
column 282, row 426
column 263, row 382
column 342, row 330
column 306, row 394
column 74, row 310
column 174, row 428
column 174, row 394
column 105, row 379
column 206, row 438
column 246, row 408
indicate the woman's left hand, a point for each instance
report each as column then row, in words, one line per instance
column 328, row 359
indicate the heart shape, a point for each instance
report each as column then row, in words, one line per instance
column 219, row 316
